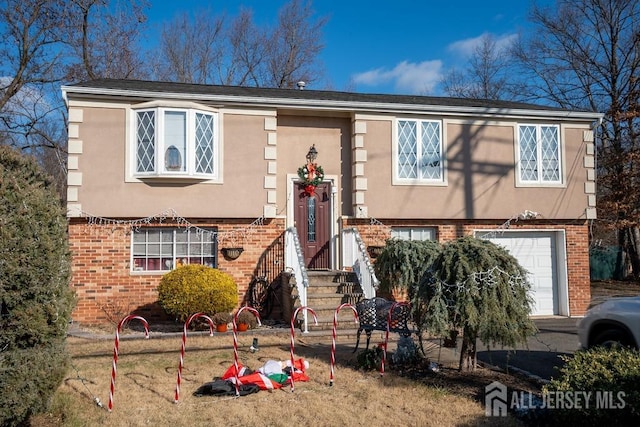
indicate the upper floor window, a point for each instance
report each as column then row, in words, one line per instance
column 539, row 151
column 176, row 142
column 163, row 249
column 419, row 152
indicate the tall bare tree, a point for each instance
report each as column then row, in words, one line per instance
column 191, row 48
column 293, row 48
column 247, row 51
column 46, row 42
column 486, row 76
column 104, row 36
column 204, row 48
column 585, row 54
column 30, row 61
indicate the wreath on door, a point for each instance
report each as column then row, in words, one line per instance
column 311, row 176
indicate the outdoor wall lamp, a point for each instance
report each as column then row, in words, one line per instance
column 312, row 154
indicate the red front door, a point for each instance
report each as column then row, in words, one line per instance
column 312, row 218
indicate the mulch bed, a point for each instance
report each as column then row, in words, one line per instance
column 470, row 384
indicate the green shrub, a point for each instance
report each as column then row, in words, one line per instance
column 195, row 288
column 370, row 359
column 35, row 297
column 403, row 262
column 615, row 371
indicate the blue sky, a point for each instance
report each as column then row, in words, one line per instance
column 397, row 46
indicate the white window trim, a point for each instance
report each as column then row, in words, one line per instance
column 412, row 229
column 191, row 108
column 396, row 180
column 561, row 152
column 174, row 230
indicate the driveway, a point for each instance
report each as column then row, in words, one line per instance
column 556, row 337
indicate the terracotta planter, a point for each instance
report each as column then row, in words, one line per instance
column 221, row 327
column 242, row 327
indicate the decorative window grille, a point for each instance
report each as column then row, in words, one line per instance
column 163, row 249
column 419, row 150
column 539, row 151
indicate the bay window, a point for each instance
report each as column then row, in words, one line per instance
column 174, row 142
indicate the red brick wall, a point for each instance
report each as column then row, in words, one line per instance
column 105, row 287
column 577, row 237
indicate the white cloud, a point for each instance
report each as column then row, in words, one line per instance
column 465, row 48
column 407, row 77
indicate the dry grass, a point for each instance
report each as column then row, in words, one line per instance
column 147, row 371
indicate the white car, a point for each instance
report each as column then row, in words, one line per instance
column 615, row 321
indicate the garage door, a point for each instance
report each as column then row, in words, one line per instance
column 535, row 251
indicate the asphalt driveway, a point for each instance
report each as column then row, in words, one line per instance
column 556, row 337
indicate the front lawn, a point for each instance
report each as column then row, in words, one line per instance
column 147, row 374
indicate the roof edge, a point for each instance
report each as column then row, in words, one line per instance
column 340, row 105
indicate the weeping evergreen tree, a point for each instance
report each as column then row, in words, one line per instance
column 402, row 263
column 476, row 286
column 35, row 298
column 400, row 267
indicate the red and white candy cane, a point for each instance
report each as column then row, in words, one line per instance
column 116, row 346
column 235, row 341
column 293, row 332
column 333, row 340
column 386, row 339
column 176, row 397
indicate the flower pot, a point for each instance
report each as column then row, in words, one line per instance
column 221, row 327
column 242, row 327
column 232, row 253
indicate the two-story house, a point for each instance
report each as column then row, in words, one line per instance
column 162, row 174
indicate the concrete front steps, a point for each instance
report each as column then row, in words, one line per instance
column 327, row 290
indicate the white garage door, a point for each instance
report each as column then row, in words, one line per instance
column 535, row 251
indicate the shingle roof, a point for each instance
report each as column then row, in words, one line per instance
column 156, row 86
column 144, row 88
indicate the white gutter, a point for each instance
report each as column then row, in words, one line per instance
column 322, row 104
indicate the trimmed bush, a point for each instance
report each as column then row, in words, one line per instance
column 616, row 372
column 196, row 288
column 35, row 297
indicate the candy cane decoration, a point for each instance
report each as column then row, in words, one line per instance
column 386, row 339
column 333, row 340
column 116, row 345
column 235, row 341
column 176, row 397
column 293, row 319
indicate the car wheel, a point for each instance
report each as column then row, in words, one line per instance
column 612, row 338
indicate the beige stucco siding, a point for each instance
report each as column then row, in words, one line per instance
column 331, row 137
column 489, row 192
column 106, row 192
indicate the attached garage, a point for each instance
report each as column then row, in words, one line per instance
column 542, row 253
